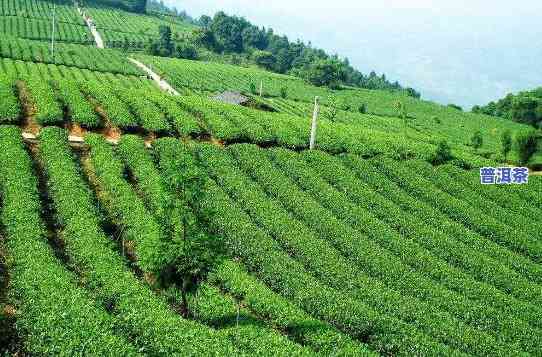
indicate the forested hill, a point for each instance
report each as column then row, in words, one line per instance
column 524, row 107
column 128, row 5
column 241, row 42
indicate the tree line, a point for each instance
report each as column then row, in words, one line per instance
column 237, row 37
column 524, row 107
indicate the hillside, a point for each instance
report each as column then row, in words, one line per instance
column 137, row 222
column 524, row 107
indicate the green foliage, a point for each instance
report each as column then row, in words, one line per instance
column 286, row 275
column 328, row 73
column 252, row 88
column 54, row 314
column 373, row 215
column 139, row 313
column 128, row 5
column 10, row 110
column 153, row 253
column 526, row 146
column 236, row 35
column 294, row 238
column 301, row 327
column 443, row 153
column 506, row 143
column 43, row 100
column 34, row 28
column 462, row 212
column 362, row 108
column 264, row 59
column 73, row 55
column 524, row 107
column 163, row 46
column 184, row 123
column 197, row 252
column 186, row 51
column 116, row 110
column 527, row 110
column 332, row 109
column 477, row 140
column 121, row 28
column 283, row 92
column 79, row 109
column 456, row 107
column 148, row 115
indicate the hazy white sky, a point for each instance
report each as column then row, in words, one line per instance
column 465, row 52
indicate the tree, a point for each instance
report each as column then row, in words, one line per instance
column 455, row 106
column 264, row 59
column 198, row 252
column 186, row 51
column 477, row 140
column 166, row 43
column 205, row 21
column 411, row 92
column 443, row 153
column 506, row 143
column 252, row 88
column 526, row 146
column 164, row 46
column 206, row 38
column 524, row 107
column 326, row 73
column 332, row 109
column 402, row 113
column 253, row 37
column 362, row 109
column 527, row 110
column 283, row 92
column 125, row 44
column 229, row 31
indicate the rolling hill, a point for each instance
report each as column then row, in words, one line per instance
column 136, row 222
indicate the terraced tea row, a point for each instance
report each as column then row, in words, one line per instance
column 84, row 57
column 120, row 28
column 303, row 239
column 52, row 95
column 422, row 119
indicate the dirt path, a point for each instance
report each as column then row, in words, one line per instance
column 88, row 20
column 165, row 86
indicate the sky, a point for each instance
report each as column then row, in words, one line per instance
column 452, row 51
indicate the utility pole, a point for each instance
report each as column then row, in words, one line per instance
column 261, row 88
column 53, row 34
column 314, row 121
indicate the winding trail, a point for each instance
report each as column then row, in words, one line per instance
column 165, row 86
column 97, row 37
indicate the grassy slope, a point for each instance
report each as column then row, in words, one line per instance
column 429, row 123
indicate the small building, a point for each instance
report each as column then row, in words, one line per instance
column 235, row 98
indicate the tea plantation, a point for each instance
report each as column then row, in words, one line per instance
column 135, row 222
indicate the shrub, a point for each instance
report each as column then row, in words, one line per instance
column 186, row 51
column 283, row 92
column 443, row 153
column 526, row 146
column 455, row 106
column 252, row 88
column 477, row 140
column 506, row 143
column 362, row 108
